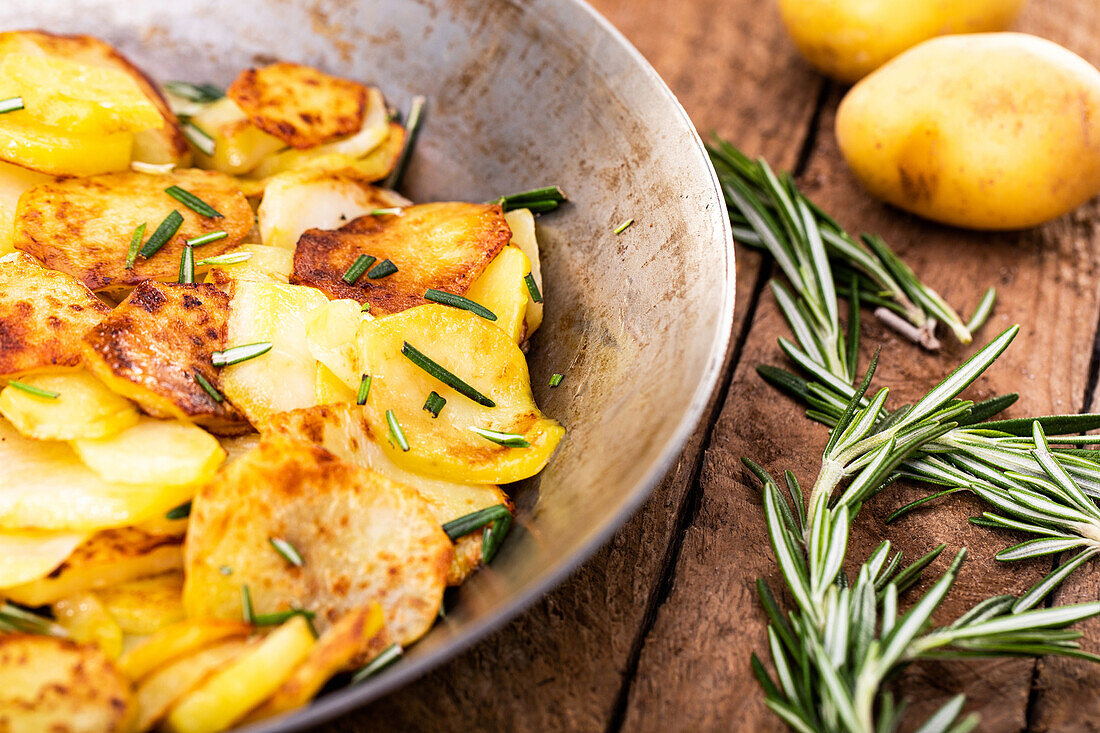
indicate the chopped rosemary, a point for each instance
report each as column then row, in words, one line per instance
column 364, row 390
column 537, row 200
column 396, row 434
column 162, row 234
column 199, row 137
column 532, row 288
column 508, row 440
column 193, row 202
column 492, row 537
column 135, row 244
column 362, row 264
column 207, row 238
column 436, row 370
column 281, row 617
column 181, row 512
column 382, row 269
column 434, row 403
column 11, row 104
column 230, row 258
column 457, row 301
column 287, row 550
column 237, row 354
column 473, row 521
column 48, row 394
column 201, row 93
column 391, row 211
column 247, row 613
column 412, row 128
column 187, row 266
column 208, row 388
column 624, row 226
column 555, row 379
column 385, row 658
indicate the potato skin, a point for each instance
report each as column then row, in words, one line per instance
column 987, row 131
column 848, row 39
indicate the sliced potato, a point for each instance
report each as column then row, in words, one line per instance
column 332, row 653
column 331, row 390
column 53, row 684
column 162, row 452
column 145, row 605
column 522, row 224
column 88, row 622
column 444, row 246
column 43, row 317
column 14, row 180
column 227, row 695
column 27, row 555
column 154, row 343
column 176, row 641
column 330, row 333
column 481, row 355
column 61, row 153
column 103, row 560
column 237, row 446
column 239, row 146
column 502, row 290
column 83, row 226
column 362, row 537
column 267, row 264
column 158, row 692
column 285, row 377
column 84, row 408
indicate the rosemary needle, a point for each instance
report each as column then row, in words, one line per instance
column 356, row 269
column 396, row 434
column 181, row 512
column 532, row 288
column 187, row 266
column 135, row 244
column 287, row 551
column 457, row 301
column 624, row 226
column 448, row 378
column 467, row 523
column 434, row 404
column 508, row 440
column 11, row 104
column 384, row 268
column 247, row 612
column 230, row 258
column 208, row 388
column 364, row 390
column 556, row 379
column 193, row 202
column 48, row 394
column 199, row 137
column 162, row 234
column 238, row 354
column 412, row 129
column 385, row 658
column 206, row 238
column 492, row 537
column 201, row 93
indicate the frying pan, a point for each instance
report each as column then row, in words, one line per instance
column 522, row 93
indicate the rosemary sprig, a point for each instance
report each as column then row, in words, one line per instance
column 537, row 200
column 412, row 129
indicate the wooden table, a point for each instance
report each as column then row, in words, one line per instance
column 655, row 631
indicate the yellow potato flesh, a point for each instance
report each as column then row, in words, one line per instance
column 145, row 605
column 267, row 264
column 848, row 39
column 178, row 640
column 522, row 224
column 14, row 180
column 501, row 289
column 331, row 390
column 28, row 555
column 84, row 408
column 988, row 131
column 61, row 153
column 239, row 146
column 330, row 333
column 484, row 357
column 88, row 622
column 229, row 694
column 161, row 452
column 159, row 691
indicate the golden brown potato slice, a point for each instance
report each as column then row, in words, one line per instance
column 161, row 690
column 445, row 246
column 88, row 622
column 43, row 316
column 162, row 145
column 53, row 684
column 145, row 605
column 83, row 226
column 154, row 343
column 105, row 559
column 362, row 538
column 298, row 104
column 176, row 641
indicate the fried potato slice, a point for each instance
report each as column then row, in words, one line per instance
column 481, row 355
column 239, row 146
column 154, row 343
column 332, row 653
column 330, row 335
column 27, row 555
column 145, row 605
column 177, row 641
column 522, row 224
column 298, row 104
column 58, row 152
column 88, row 622
column 445, row 246
column 53, row 684
column 103, row 560
column 331, row 390
column 83, row 226
column 158, row 692
column 266, row 264
column 502, row 290
column 161, row 452
column 84, row 408
column 227, row 695
column 43, row 317
column 14, row 180
column 362, row 537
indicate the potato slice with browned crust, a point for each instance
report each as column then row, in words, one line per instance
column 83, row 226
column 53, row 684
column 445, row 246
column 177, row 641
column 43, row 317
column 152, row 346
column 362, row 538
column 298, row 104
column 158, row 692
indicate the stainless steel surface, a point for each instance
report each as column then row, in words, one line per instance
column 522, row 93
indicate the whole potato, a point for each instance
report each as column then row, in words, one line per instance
column 986, row 131
column 848, row 39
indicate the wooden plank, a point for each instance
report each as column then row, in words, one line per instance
column 561, row 665
column 694, row 665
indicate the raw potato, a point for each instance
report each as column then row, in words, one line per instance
column 522, row 224
column 298, row 104
column 83, row 226
column 53, row 684
column 848, row 39
column 502, row 290
column 992, row 131
column 146, row 605
column 43, row 317
column 83, row 408
column 228, row 695
column 162, row 452
column 103, row 560
column 27, row 555
column 179, row 640
column 363, row 539
column 14, row 180
column 484, row 357
column 158, row 692
column 445, row 246
column 154, row 343
column 88, row 622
